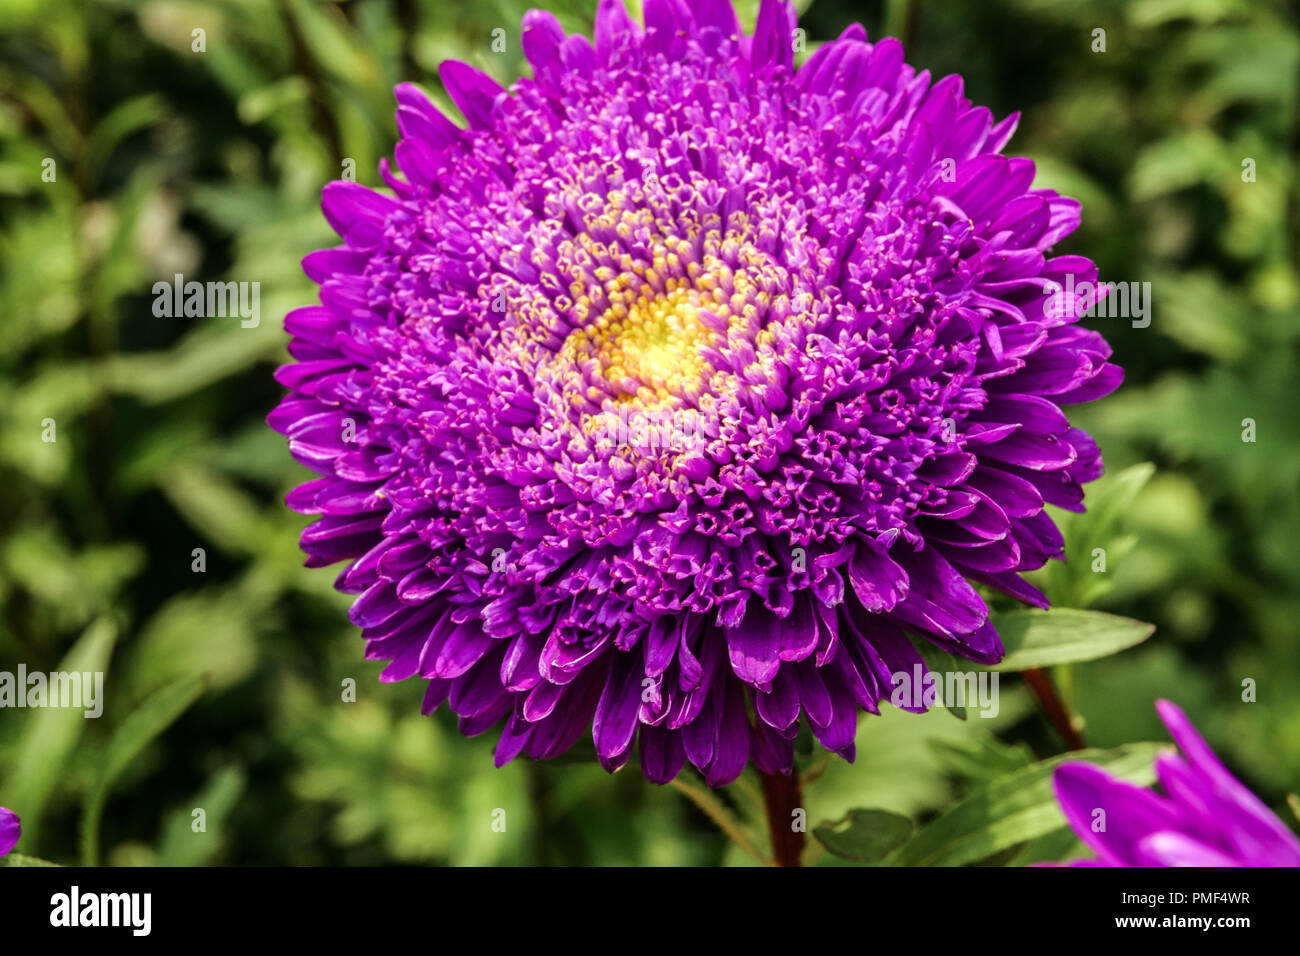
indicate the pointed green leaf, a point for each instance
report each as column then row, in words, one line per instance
column 53, row 732
column 1063, row 635
column 136, row 732
column 1077, row 581
column 1014, row 809
column 181, row 844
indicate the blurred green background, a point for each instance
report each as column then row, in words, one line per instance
column 210, row 164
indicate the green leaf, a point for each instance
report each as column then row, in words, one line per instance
column 865, row 835
column 1178, row 161
column 333, row 44
column 136, row 732
column 1117, row 495
column 289, row 93
column 1054, row 847
column 1014, row 809
column 53, row 732
column 164, row 649
column 1063, row 635
column 18, row 859
column 1203, row 313
column 221, row 510
column 78, row 584
column 982, row 759
column 124, row 119
column 181, row 844
column 1074, row 583
column 207, row 355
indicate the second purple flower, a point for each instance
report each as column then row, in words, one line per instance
column 11, row 829
column 1205, row 817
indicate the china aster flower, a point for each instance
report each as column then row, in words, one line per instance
column 10, row 830
column 663, row 400
column 1206, row 817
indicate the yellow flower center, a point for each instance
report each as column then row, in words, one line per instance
column 648, row 349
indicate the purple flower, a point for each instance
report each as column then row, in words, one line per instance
column 11, row 829
column 666, row 398
column 1205, row 818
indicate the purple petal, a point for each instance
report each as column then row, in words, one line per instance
column 10, row 830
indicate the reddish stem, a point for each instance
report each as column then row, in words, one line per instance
column 1044, row 691
column 782, row 795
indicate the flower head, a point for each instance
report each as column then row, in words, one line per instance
column 1205, row 818
column 663, row 400
column 11, row 829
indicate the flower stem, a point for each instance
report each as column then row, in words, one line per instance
column 1049, row 700
column 782, row 795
